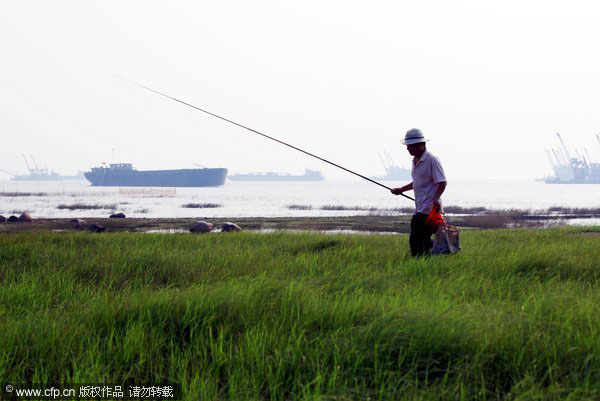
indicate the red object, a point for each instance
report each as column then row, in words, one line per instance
column 435, row 218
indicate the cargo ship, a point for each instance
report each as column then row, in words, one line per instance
column 309, row 175
column 124, row 175
column 38, row 175
column 42, row 174
column 45, row 175
column 572, row 170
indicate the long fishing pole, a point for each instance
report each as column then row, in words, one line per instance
column 8, row 172
column 259, row 133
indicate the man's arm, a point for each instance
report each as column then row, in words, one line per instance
column 440, row 187
column 407, row 187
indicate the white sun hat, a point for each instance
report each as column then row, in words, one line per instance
column 414, row 136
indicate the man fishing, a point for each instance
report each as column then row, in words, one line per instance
column 428, row 183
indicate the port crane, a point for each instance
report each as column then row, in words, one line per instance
column 27, row 164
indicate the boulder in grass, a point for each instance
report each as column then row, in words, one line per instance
column 119, row 215
column 26, row 217
column 13, row 219
column 201, row 227
column 2, row 219
column 97, row 228
column 228, row 227
column 78, row 224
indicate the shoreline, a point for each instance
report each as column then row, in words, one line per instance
column 357, row 223
column 400, row 224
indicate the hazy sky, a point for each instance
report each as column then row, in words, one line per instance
column 489, row 82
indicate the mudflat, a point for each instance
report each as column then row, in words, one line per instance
column 399, row 224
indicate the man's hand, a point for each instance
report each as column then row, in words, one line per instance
column 436, row 203
column 399, row 190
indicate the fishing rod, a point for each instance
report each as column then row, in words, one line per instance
column 259, row 133
column 8, row 172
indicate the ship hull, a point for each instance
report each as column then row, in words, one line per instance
column 397, row 177
column 48, row 177
column 273, row 179
column 309, row 175
column 395, row 174
column 27, row 178
column 589, row 181
column 205, row 177
column 569, row 175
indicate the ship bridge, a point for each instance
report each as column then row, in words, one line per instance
column 121, row 166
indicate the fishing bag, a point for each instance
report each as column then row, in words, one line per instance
column 447, row 240
column 435, row 219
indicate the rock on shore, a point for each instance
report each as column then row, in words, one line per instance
column 25, row 217
column 230, row 227
column 201, row 227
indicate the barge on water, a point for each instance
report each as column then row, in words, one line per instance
column 309, row 175
column 124, row 175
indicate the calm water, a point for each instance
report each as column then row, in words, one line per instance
column 248, row 199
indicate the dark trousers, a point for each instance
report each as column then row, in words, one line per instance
column 420, row 236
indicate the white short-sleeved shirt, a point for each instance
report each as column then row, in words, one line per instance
column 426, row 173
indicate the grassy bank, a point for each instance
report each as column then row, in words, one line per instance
column 280, row 316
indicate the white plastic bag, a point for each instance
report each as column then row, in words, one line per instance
column 447, row 240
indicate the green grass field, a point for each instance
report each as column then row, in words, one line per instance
column 285, row 316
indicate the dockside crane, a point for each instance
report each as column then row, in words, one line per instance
column 27, row 164
column 392, row 164
column 40, row 170
column 579, row 158
column 588, row 155
column 585, row 162
column 550, row 159
column 564, row 157
column 557, row 157
column 570, row 161
column 382, row 161
column 37, row 170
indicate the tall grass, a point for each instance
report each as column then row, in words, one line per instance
column 84, row 206
column 306, row 316
column 17, row 194
column 342, row 207
column 299, row 207
column 201, row 205
column 575, row 210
